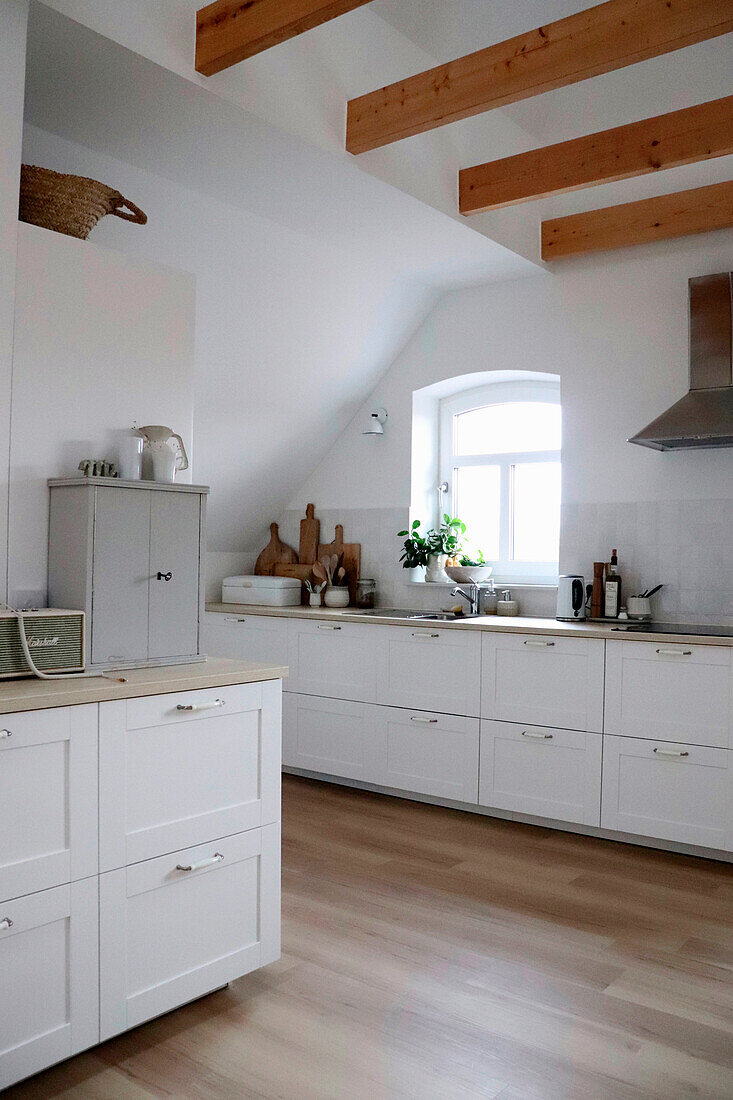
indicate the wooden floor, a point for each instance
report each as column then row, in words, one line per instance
column 433, row 954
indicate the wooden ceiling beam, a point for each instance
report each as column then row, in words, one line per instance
column 228, row 31
column 598, row 40
column 667, row 141
column 666, row 216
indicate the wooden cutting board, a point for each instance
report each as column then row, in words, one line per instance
column 351, row 557
column 310, row 532
column 275, row 553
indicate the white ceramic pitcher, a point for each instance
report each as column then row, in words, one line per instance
column 166, row 450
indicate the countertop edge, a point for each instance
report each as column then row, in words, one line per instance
column 32, row 694
column 487, row 623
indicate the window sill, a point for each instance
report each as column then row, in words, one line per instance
column 498, row 583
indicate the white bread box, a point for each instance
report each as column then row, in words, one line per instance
column 263, row 591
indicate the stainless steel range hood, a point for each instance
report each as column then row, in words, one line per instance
column 704, row 417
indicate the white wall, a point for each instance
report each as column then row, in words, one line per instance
column 615, row 329
column 101, row 340
column 13, row 22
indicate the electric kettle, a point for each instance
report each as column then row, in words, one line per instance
column 570, row 598
column 165, row 450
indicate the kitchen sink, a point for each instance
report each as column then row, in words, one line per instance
column 412, row 615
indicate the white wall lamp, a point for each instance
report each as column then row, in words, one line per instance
column 376, row 422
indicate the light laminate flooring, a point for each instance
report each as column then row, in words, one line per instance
column 435, row 955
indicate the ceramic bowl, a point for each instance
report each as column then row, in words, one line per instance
column 463, row 574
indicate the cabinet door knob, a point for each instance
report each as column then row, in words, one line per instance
column 5, row 734
column 5, row 923
column 163, row 576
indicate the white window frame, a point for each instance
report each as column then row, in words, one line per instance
column 506, row 571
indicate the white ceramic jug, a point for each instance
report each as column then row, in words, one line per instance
column 166, row 451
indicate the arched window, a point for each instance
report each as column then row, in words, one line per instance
column 500, row 456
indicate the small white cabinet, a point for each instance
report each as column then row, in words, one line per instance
column 333, row 736
column 542, row 771
column 129, row 554
column 246, row 637
column 672, row 791
column 423, row 666
column 48, row 798
column 176, row 927
column 671, row 691
column 48, row 977
column 543, row 680
column 336, row 660
column 429, row 752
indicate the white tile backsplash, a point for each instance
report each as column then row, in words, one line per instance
column 685, row 545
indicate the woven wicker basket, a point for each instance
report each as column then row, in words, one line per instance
column 70, row 204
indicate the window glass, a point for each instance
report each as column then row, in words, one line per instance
column 536, row 511
column 510, row 426
column 477, row 497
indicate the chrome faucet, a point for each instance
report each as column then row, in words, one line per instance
column 472, row 597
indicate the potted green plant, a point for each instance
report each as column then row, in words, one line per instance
column 433, row 549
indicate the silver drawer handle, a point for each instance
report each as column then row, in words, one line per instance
column 422, row 634
column 5, row 923
column 5, row 734
column 327, row 626
column 200, row 706
column 544, row 645
column 537, row 736
column 670, row 752
column 229, row 619
column 216, row 858
column 425, row 721
column 675, row 652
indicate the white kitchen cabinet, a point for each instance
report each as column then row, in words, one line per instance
column 48, row 798
column 541, row 770
column 49, row 978
column 186, row 767
column 129, row 554
column 543, row 680
column 335, row 660
column 333, row 736
column 246, row 637
column 429, row 668
column 429, row 753
column 672, row 791
column 176, row 927
column 670, row 691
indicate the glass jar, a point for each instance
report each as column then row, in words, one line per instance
column 366, row 594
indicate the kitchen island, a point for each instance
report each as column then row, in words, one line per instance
column 140, row 863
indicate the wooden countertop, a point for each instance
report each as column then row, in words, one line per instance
column 34, row 694
column 504, row 625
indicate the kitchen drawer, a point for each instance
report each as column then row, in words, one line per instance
column 174, row 928
column 543, row 680
column 192, row 706
column 670, row 691
column 170, row 779
column 540, row 770
column 49, row 978
column 48, row 798
column 246, row 637
column 429, row 753
column 332, row 736
column 336, row 660
column 670, row 791
column 431, row 669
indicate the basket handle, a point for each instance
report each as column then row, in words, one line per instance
column 136, row 214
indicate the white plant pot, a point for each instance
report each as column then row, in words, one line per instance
column 435, row 570
column 336, row 597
